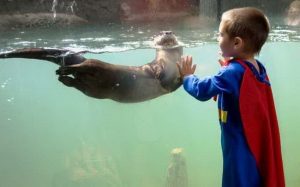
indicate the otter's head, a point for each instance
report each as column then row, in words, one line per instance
column 166, row 40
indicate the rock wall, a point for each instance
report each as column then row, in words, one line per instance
column 69, row 12
column 143, row 10
column 214, row 8
column 97, row 10
column 16, row 14
column 44, row 13
column 91, row 10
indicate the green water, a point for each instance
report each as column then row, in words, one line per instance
column 54, row 136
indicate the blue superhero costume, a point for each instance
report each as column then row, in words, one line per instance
column 249, row 130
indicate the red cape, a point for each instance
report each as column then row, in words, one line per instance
column 261, row 128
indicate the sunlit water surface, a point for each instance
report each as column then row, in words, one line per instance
column 54, row 136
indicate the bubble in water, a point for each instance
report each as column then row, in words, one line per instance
column 10, row 99
column 3, row 85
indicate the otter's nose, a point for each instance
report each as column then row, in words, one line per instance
column 167, row 32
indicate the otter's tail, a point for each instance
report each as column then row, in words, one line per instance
column 58, row 56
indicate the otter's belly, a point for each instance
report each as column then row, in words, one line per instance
column 138, row 90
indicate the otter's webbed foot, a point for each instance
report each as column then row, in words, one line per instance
column 70, row 76
column 72, row 82
column 67, row 70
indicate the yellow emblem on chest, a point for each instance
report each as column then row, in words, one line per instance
column 223, row 116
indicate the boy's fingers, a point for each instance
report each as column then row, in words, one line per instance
column 194, row 68
column 188, row 62
column 181, row 61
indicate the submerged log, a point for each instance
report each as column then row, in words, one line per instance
column 177, row 172
column 293, row 15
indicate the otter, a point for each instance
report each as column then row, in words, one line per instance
column 102, row 80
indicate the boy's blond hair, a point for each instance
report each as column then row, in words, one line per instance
column 248, row 23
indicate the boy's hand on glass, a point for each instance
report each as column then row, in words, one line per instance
column 223, row 61
column 186, row 66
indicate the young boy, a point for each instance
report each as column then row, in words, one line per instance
column 249, row 129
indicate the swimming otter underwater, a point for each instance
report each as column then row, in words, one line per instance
column 101, row 80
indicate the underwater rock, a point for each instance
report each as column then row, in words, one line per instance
column 177, row 172
column 88, row 166
column 40, row 20
column 293, row 15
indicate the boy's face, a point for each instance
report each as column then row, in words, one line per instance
column 225, row 42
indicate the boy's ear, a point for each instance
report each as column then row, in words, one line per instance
column 238, row 42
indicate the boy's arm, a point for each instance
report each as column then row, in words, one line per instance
column 205, row 88
column 200, row 89
column 186, row 66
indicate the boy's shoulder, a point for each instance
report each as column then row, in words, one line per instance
column 233, row 67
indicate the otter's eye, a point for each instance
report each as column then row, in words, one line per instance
column 166, row 33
